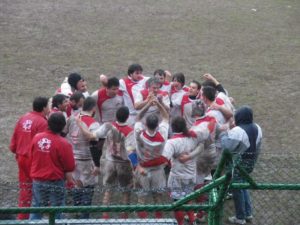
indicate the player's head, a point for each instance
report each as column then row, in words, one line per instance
column 178, row 125
column 77, row 100
column 122, row 114
column 198, row 108
column 60, row 102
column 152, row 121
column 208, row 93
column 135, row 71
column 160, row 74
column 89, row 105
column 39, row 104
column 178, row 80
column 112, row 86
column 153, row 85
column 56, row 122
column 194, row 88
column 76, row 81
column 208, row 83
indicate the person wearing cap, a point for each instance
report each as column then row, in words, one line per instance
column 74, row 82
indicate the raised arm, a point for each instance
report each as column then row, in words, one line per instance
column 143, row 111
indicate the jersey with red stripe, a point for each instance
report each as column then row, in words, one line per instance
column 166, row 86
column 201, row 124
column 224, row 99
column 107, row 106
column 131, row 88
column 80, row 144
column 180, row 144
column 150, row 146
column 120, row 141
column 186, row 110
column 142, row 96
column 176, row 99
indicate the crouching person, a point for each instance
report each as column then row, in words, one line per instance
column 51, row 158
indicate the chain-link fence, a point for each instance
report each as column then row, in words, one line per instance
column 275, row 200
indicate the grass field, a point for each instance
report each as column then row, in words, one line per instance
column 251, row 46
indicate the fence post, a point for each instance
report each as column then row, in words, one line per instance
column 52, row 218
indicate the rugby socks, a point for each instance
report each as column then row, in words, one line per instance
column 105, row 216
column 191, row 216
column 179, row 216
column 158, row 215
column 142, row 215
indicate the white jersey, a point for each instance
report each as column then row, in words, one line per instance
column 226, row 101
column 131, row 88
column 186, row 107
column 80, row 144
column 150, row 146
column 119, row 141
column 166, row 86
column 176, row 99
column 178, row 145
column 65, row 89
column 107, row 106
column 142, row 95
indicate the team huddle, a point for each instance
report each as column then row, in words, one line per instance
column 130, row 131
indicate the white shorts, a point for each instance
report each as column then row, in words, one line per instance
column 180, row 187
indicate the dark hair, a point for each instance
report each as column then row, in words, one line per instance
column 76, row 96
column 73, row 79
column 160, row 72
column 179, row 125
column 58, row 100
column 39, row 103
column 208, row 83
column 209, row 92
column 113, row 82
column 152, row 121
column 133, row 68
column 179, row 77
column 56, row 122
column 88, row 104
column 122, row 114
column 197, row 83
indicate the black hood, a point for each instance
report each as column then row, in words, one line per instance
column 243, row 115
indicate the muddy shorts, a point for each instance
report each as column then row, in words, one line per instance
column 153, row 181
column 117, row 173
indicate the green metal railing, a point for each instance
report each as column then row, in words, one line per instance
column 218, row 188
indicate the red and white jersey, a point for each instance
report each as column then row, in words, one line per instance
column 131, row 88
column 51, row 156
column 26, row 128
column 166, row 86
column 120, row 141
column 221, row 120
column 223, row 99
column 143, row 94
column 186, row 110
column 201, row 124
column 107, row 106
column 150, row 146
column 80, row 144
column 176, row 99
column 178, row 145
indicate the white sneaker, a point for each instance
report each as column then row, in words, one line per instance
column 249, row 219
column 235, row 220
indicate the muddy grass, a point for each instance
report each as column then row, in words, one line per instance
column 252, row 47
